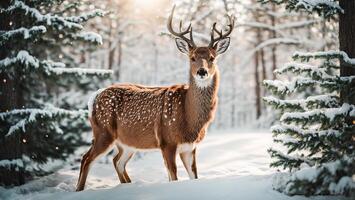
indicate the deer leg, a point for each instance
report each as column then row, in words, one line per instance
column 169, row 155
column 98, row 147
column 188, row 159
column 120, row 166
column 115, row 163
column 194, row 167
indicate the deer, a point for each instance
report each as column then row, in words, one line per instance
column 173, row 119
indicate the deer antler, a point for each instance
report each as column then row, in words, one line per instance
column 181, row 34
column 220, row 33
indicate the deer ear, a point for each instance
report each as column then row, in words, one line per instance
column 182, row 46
column 222, row 45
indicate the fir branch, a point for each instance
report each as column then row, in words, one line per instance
column 315, row 72
column 25, row 33
column 326, row 55
column 333, row 83
column 47, row 19
column 50, row 68
column 18, row 163
column 328, row 115
column 325, row 8
column 89, row 37
column 87, row 16
column 287, row 161
column 318, row 101
column 30, row 115
column 333, row 178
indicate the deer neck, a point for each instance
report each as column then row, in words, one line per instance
column 200, row 102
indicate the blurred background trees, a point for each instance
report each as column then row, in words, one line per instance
column 139, row 49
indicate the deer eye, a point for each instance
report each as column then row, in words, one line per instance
column 193, row 59
column 211, row 59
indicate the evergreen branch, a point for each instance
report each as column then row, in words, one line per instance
column 315, row 72
column 287, row 161
column 26, row 33
column 47, row 19
column 319, row 101
column 48, row 67
column 88, row 37
column 285, row 87
column 325, row 8
column 294, row 130
column 333, row 178
column 314, row 141
column 326, row 55
column 32, row 114
column 328, row 115
column 10, row 163
column 87, row 16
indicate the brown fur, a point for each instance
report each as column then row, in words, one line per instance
column 154, row 117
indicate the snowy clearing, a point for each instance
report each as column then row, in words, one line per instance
column 231, row 165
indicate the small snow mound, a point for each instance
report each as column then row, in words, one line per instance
column 92, row 100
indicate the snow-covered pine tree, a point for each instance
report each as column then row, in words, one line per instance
column 315, row 129
column 34, row 131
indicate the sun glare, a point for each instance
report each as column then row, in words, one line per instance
column 150, row 6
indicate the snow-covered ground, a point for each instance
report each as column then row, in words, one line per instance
column 231, row 165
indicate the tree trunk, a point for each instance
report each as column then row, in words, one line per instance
column 257, row 85
column 119, row 59
column 347, row 44
column 111, row 49
column 273, row 48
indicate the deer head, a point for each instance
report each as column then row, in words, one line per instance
column 202, row 59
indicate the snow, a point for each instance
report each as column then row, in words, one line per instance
column 326, row 54
column 231, row 165
column 311, row 5
column 26, row 32
column 50, row 67
column 91, row 37
column 86, row 16
column 31, row 114
column 298, row 68
column 10, row 163
column 328, row 114
column 47, row 18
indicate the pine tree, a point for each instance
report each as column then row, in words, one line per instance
column 35, row 129
column 315, row 130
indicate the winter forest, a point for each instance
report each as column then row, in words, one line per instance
column 283, row 126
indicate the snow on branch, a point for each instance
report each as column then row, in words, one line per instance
column 18, row 163
column 327, row 115
column 298, row 68
column 32, row 114
column 286, row 128
column 339, row 175
column 85, row 17
column 286, row 87
column 303, row 104
column 325, row 8
column 90, row 37
column 49, row 67
column 327, row 55
column 26, row 33
column 288, row 161
column 40, row 18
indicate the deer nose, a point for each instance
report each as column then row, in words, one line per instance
column 202, row 72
